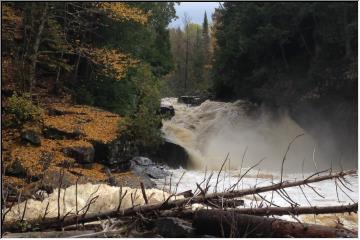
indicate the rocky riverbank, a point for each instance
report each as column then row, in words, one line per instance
column 73, row 143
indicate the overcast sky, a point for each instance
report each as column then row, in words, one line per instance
column 195, row 11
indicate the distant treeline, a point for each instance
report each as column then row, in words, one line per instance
column 191, row 50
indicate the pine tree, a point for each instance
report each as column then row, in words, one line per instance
column 206, row 37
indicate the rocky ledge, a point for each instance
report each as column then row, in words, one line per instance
column 73, row 143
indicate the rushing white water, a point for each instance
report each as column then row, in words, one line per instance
column 212, row 130
column 332, row 196
column 102, row 197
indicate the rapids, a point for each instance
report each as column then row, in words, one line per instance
column 212, row 130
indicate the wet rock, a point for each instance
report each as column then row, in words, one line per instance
column 166, row 110
column 172, row 155
column 192, row 100
column 16, row 168
column 174, row 227
column 31, row 136
column 143, row 165
column 83, row 154
column 55, row 112
column 115, row 154
column 55, row 133
column 143, row 161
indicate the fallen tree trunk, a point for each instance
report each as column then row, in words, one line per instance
column 279, row 211
column 222, row 223
column 71, row 220
column 53, row 234
column 268, row 211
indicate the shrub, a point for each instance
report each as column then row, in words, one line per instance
column 20, row 109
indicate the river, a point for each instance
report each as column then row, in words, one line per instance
column 248, row 134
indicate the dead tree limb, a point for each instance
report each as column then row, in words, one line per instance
column 219, row 222
column 271, row 211
column 144, row 193
column 71, row 220
column 279, row 211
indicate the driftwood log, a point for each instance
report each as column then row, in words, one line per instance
column 223, row 223
column 270, row 211
column 51, row 234
column 73, row 219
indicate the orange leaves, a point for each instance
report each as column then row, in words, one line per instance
column 114, row 62
column 42, row 161
column 121, row 11
column 96, row 124
column 96, row 173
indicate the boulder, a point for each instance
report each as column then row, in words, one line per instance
column 144, row 166
column 172, row 227
column 191, row 100
column 166, row 110
column 16, row 169
column 115, row 154
column 31, row 136
column 55, row 133
column 172, row 154
column 82, row 154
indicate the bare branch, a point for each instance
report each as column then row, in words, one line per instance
column 284, row 158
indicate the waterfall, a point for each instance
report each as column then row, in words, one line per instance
column 209, row 131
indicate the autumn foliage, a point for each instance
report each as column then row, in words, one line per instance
column 121, row 11
column 115, row 64
column 56, row 55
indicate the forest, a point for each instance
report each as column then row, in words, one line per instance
column 105, row 106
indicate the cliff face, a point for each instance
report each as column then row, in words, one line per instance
column 73, row 143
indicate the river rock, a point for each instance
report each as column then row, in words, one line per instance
column 143, row 165
column 167, row 110
column 172, row 227
column 115, row 154
column 192, row 100
column 16, row 168
column 172, row 154
column 30, row 136
column 82, row 154
column 55, row 133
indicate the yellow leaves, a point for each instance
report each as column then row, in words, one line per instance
column 94, row 123
column 96, row 173
column 114, row 62
column 121, row 11
column 31, row 157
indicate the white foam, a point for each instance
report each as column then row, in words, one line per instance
column 108, row 199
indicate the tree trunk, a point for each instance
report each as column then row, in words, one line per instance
column 231, row 224
column 52, row 234
column 76, row 68
column 37, row 45
column 57, row 81
column 270, row 211
column 186, row 58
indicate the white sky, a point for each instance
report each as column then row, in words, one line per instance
column 195, row 11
